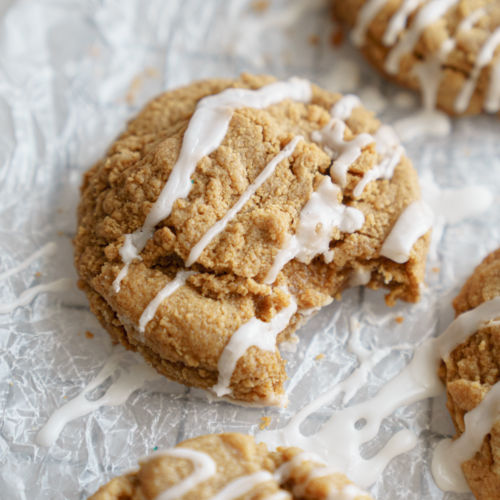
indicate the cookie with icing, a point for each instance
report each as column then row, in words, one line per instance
column 448, row 49
column 230, row 466
column 229, row 211
column 472, row 376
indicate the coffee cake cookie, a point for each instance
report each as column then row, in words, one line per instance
column 471, row 374
column 449, row 49
column 230, row 466
column 229, row 211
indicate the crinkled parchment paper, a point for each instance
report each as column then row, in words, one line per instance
column 71, row 73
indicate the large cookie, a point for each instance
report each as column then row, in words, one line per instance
column 471, row 371
column 449, row 49
column 224, row 466
column 293, row 243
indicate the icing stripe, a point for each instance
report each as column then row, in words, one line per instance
column 449, row 455
column 346, row 152
column 220, row 225
column 427, row 15
column 399, row 21
column 344, row 107
column 282, row 475
column 317, row 221
column 150, row 311
column 204, row 469
column 412, row 224
column 484, row 58
column 206, row 131
column 366, row 15
column 253, row 333
column 242, row 486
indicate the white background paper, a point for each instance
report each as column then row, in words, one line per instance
column 71, row 73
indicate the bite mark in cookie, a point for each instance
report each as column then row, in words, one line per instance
column 256, row 186
column 450, row 49
column 226, row 467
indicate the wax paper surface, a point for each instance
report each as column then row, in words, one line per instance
column 71, row 73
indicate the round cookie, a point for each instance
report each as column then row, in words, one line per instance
column 230, row 466
column 449, row 49
column 223, row 314
column 471, row 371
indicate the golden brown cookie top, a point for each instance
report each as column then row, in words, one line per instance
column 233, row 464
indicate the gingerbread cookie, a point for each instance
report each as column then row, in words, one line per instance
column 449, row 49
column 230, row 466
column 229, row 211
column 472, row 375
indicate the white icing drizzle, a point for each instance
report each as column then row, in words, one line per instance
column 283, row 473
column 281, row 495
column 80, row 406
column 399, row 21
column 359, row 277
column 484, row 58
column 220, row 225
column 319, row 217
column 253, row 333
column 366, row 15
column 345, row 152
column 206, row 131
column 344, row 107
column 243, row 485
column 61, row 285
column 449, row 455
column 412, row 224
column 150, row 311
column 48, row 249
column 426, row 16
column 339, row 441
column 451, row 206
column 492, row 102
column 469, row 22
column 203, row 464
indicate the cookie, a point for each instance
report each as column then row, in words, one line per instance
column 448, row 49
column 216, row 225
column 471, row 373
column 227, row 466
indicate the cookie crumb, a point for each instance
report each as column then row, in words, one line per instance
column 60, row 210
column 319, row 357
column 38, row 274
column 314, row 40
column 89, row 335
column 436, row 269
column 400, row 319
column 337, row 38
column 60, row 233
column 134, row 88
column 151, row 72
column 482, row 346
column 260, row 5
column 266, row 422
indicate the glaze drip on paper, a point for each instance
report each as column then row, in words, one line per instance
column 339, row 441
column 80, row 406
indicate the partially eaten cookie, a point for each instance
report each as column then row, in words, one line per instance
column 229, row 211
